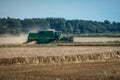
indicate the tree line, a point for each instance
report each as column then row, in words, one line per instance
column 17, row 26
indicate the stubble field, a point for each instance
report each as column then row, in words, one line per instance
column 23, row 38
column 59, row 62
column 95, row 39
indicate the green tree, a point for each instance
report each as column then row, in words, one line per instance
column 14, row 26
column 69, row 28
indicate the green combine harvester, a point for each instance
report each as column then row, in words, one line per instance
column 48, row 36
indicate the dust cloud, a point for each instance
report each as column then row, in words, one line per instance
column 9, row 39
column 36, row 29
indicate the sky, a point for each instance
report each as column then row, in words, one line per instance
column 98, row 10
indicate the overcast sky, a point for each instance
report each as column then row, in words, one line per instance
column 99, row 10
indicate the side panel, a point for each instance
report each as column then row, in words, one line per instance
column 46, row 36
column 33, row 37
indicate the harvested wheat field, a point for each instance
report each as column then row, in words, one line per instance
column 109, row 70
column 23, row 38
column 95, row 39
column 55, row 51
column 60, row 63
